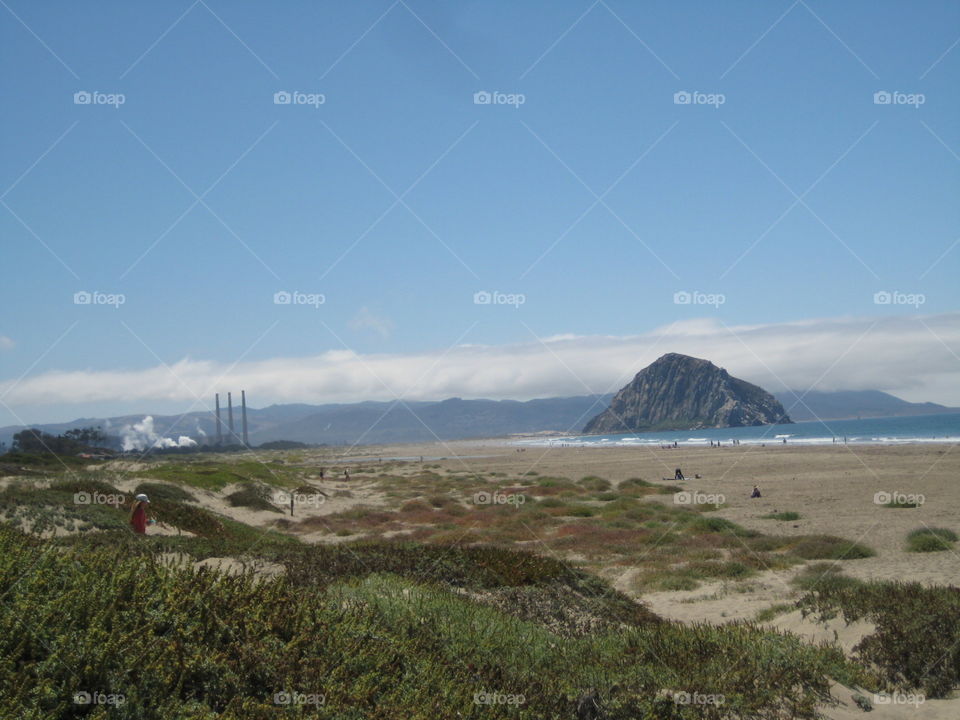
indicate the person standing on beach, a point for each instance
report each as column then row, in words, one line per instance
column 138, row 514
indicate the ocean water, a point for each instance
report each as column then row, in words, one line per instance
column 890, row 430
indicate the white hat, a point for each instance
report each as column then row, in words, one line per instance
column 143, row 498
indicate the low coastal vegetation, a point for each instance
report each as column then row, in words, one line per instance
column 931, row 539
column 781, row 516
column 457, row 594
column 916, row 644
column 398, row 639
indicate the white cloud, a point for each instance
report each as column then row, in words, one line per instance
column 914, row 357
column 6, row 343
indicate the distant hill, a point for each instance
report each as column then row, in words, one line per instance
column 387, row 422
column 682, row 392
column 844, row 404
column 367, row 422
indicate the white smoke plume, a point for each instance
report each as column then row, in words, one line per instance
column 141, row 436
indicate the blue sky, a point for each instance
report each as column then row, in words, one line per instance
column 398, row 198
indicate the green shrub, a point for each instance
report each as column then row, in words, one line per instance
column 916, row 645
column 782, row 516
column 592, row 482
column 900, row 504
column 930, row 540
column 252, row 495
column 164, row 491
column 828, row 547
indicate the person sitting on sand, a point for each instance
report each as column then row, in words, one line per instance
column 138, row 514
column 346, row 474
column 678, row 474
column 756, row 492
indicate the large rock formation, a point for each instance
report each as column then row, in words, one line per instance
column 679, row 392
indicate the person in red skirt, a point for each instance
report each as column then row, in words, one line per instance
column 138, row 514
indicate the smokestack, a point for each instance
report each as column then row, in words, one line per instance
column 243, row 404
column 219, row 425
column 230, row 416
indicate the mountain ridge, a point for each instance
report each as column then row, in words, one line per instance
column 272, row 422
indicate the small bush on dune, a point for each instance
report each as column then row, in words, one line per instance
column 900, row 504
column 718, row 525
column 164, row 491
column 828, row 547
column 930, row 540
column 592, row 482
column 254, row 496
column 782, row 516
